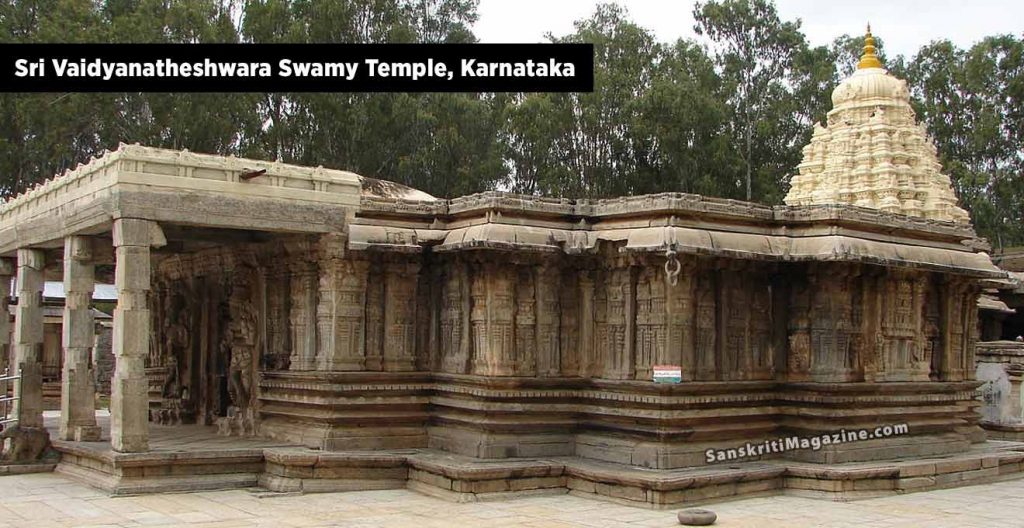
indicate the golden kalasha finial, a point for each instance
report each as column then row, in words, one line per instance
column 869, row 59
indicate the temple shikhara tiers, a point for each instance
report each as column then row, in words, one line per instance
column 327, row 331
column 873, row 153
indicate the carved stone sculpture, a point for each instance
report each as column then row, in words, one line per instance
column 25, row 444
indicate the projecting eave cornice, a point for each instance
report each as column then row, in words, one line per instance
column 683, row 223
column 179, row 187
column 657, row 209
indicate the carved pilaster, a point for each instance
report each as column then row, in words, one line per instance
column 901, row 341
column 617, row 358
column 493, row 320
column 652, row 339
column 971, row 307
column 707, row 326
column 798, row 358
column 428, row 309
column 401, row 281
column 373, row 325
column 455, row 319
column 526, row 323
column 340, row 314
column 571, row 320
column 302, row 315
column 734, row 312
column 870, row 348
column 832, row 327
column 595, row 348
column 759, row 340
column 548, row 287
column 278, row 348
column 680, row 313
column 959, row 319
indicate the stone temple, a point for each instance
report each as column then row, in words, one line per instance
column 307, row 329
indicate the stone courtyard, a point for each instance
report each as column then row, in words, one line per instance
column 49, row 500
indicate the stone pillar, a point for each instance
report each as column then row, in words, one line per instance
column 7, row 270
column 28, row 338
column 129, row 402
column 78, row 392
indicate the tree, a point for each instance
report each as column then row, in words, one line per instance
column 846, row 52
column 755, row 53
column 587, row 144
column 685, row 115
column 971, row 103
column 441, row 143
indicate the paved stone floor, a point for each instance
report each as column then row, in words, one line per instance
column 45, row 500
column 168, row 437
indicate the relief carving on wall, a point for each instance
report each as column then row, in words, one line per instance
column 349, row 304
column 651, row 322
column 570, row 318
column 525, row 323
column 401, row 281
column 493, row 319
column 243, row 340
column 454, row 354
column 374, row 313
column 277, row 354
column 798, row 358
column 302, row 314
column 549, row 337
column 706, row 326
column 902, row 339
column 174, row 348
column 832, row 325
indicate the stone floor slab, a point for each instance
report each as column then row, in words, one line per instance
column 32, row 501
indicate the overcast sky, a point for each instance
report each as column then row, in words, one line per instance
column 905, row 25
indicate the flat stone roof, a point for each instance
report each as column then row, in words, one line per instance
column 179, row 187
column 183, row 188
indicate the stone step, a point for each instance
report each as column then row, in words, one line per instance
column 466, row 479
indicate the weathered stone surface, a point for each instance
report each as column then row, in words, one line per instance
column 78, row 413
column 27, row 444
column 129, row 413
column 28, row 339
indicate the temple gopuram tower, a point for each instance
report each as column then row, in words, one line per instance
column 873, row 153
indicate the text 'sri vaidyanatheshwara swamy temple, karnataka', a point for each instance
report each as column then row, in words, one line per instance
column 307, row 329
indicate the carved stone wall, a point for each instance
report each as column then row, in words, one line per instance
column 328, row 309
column 305, row 309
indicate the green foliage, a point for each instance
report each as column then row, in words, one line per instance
column 971, row 102
column 727, row 119
column 756, row 56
